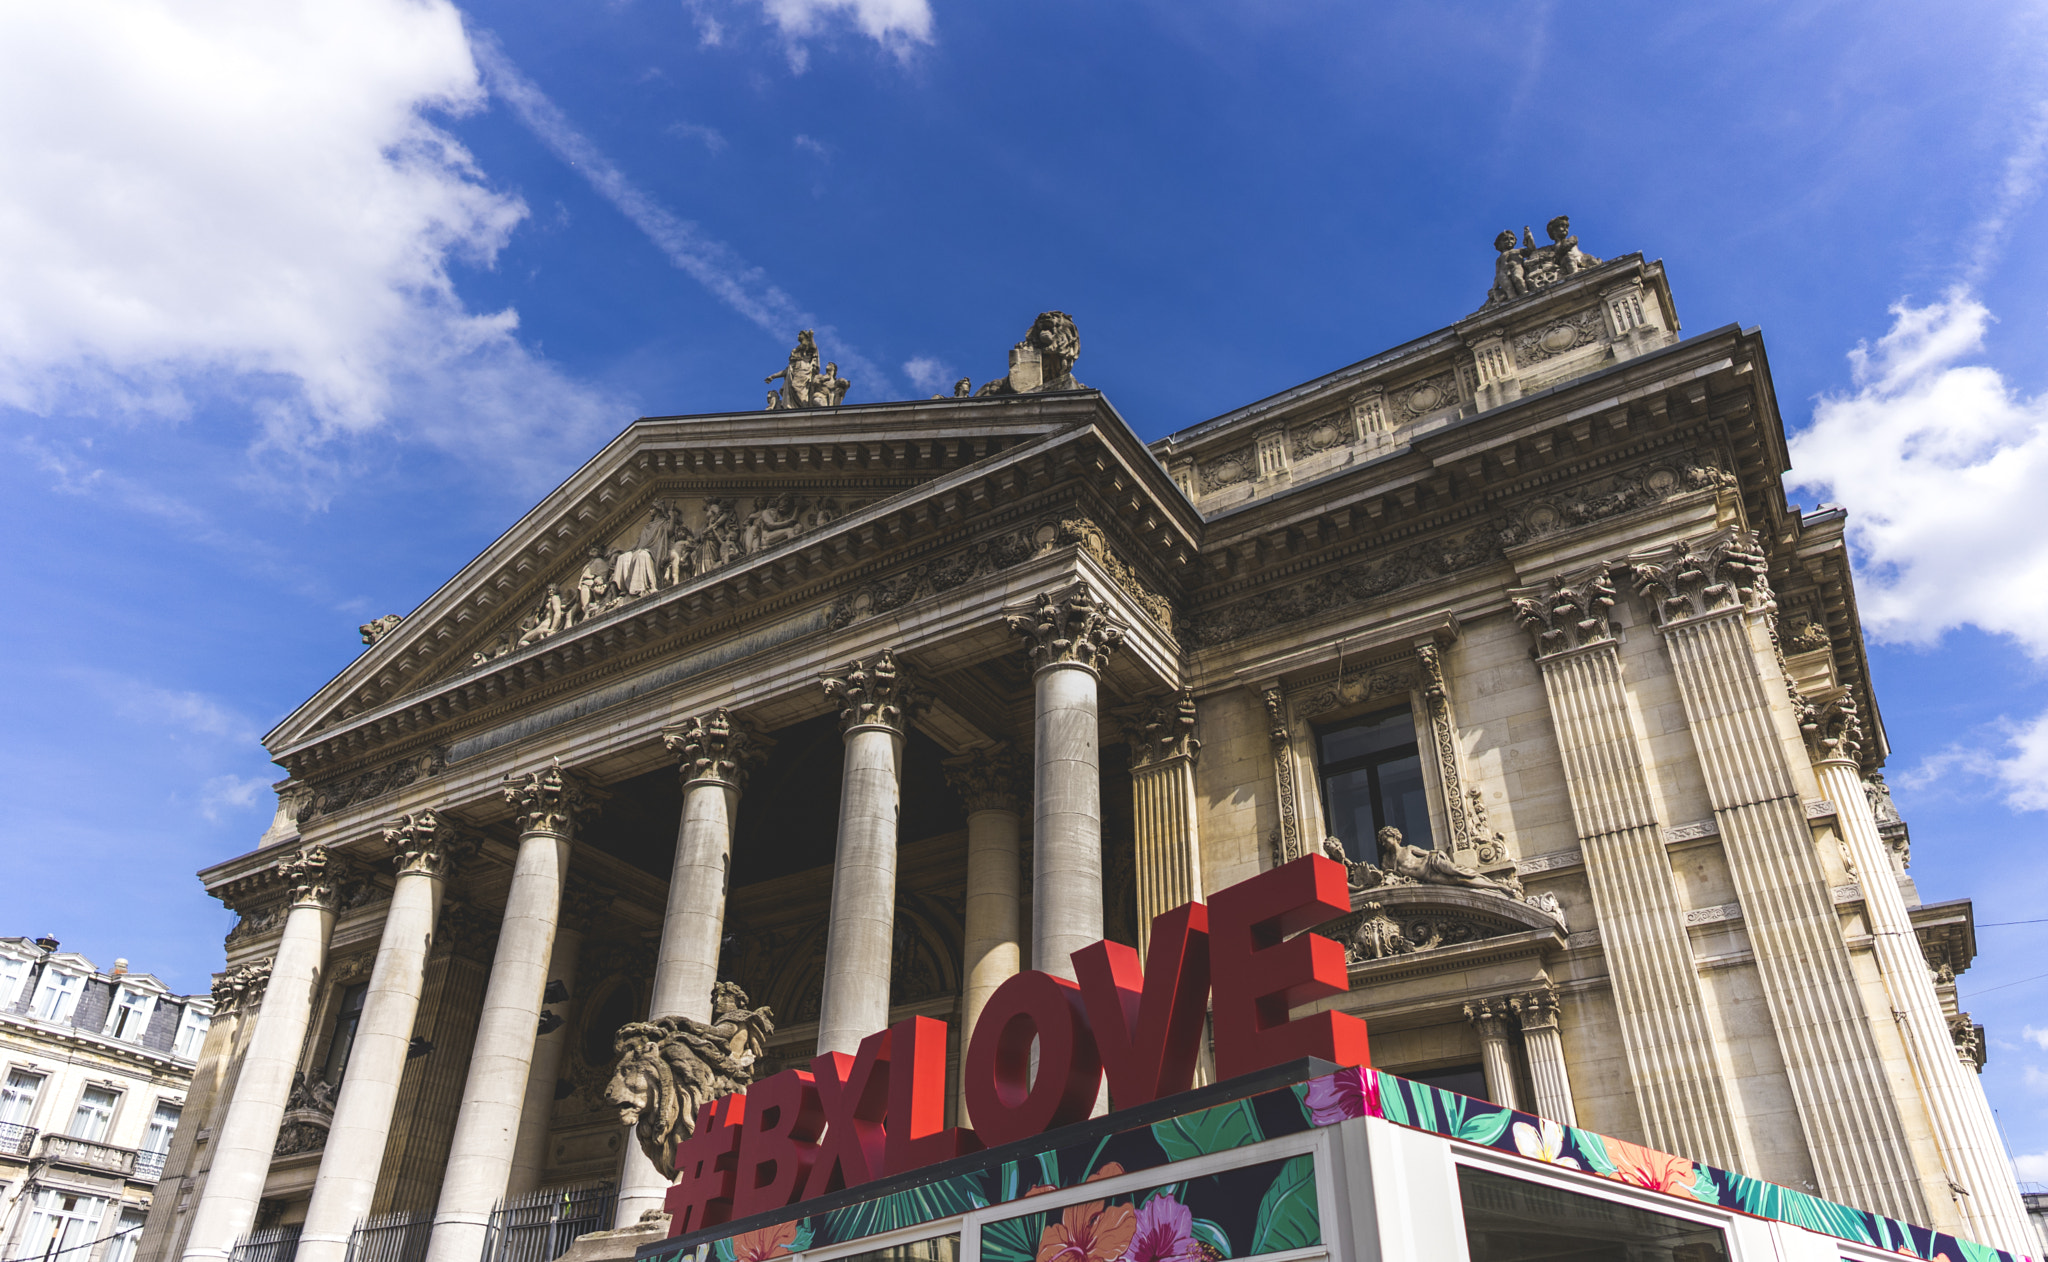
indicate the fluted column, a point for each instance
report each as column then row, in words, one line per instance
column 1069, row 639
column 878, row 699
column 1544, row 1047
column 1678, row 1084
column 1167, row 823
column 1490, row 1018
column 988, row 782
column 716, row 751
column 581, row 905
column 1703, row 595
column 487, row 1127
column 424, row 849
column 241, row 1151
column 1964, row 1129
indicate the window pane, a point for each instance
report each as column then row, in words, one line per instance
column 1347, row 796
column 1405, row 801
column 95, row 1110
column 18, row 1097
column 937, row 1249
column 1375, row 733
column 127, row 1234
column 1509, row 1220
column 162, row 1125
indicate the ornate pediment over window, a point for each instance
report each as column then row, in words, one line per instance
column 1400, row 920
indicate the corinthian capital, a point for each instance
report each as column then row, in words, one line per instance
column 239, row 986
column 991, row 778
column 311, row 875
column 549, row 800
column 716, row 746
column 1069, row 631
column 1725, row 570
column 423, row 843
column 1489, row 1017
column 1567, row 612
column 879, row 691
column 1537, row 1009
column 1165, row 729
column 1832, row 728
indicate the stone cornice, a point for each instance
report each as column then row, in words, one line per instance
column 21, row 1026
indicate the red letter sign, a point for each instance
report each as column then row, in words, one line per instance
column 853, row 1091
column 777, row 1142
column 1148, row 1029
column 918, row 1135
column 1001, row 1097
column 702, row 1195
column 1258, row 977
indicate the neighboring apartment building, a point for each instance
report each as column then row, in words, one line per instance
column 1526, row 589
column 94, row 1071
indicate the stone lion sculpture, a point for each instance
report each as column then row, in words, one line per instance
column 670, row 1067
column 1056, row 344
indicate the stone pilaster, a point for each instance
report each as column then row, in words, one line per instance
column 1544, row 1046
column 1702, row 595
column 1678, row 1084
column 1965, row 1131
column 878, row 698
column 1169, row 850
column 715, row 752
column 424, row 849
column 1491, row 1017
column 547, row 803
column 248, row 1135
column 1069, row 638
column 990, row 782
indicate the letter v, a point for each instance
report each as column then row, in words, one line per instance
column 1149, row 1028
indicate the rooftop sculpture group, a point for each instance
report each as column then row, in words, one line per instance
column 1525, row 268
column 803, row 384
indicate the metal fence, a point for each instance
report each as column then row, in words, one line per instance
column 16, row 1139
column 399, row 1236
column 540, row 1226
column 267, row 1244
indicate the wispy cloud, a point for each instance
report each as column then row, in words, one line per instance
column 2017, row 186
column 711, row 263
column 710, row 137
column 929, row 375
column 899, row 26
column 812, row 147
column 223, row 794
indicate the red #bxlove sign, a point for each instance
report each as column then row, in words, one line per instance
column 881, row 1111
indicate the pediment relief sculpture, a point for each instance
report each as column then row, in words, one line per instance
column 670, row 1067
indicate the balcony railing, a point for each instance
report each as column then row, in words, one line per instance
column 150, row 1165
column 70, row 1150
column 16, row 1139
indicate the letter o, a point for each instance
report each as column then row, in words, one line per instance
column 1002, row 1101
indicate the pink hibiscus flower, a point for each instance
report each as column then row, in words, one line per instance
column 1344, row 1094
column 1166, row 1233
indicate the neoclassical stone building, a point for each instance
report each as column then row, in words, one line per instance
column 865, row 707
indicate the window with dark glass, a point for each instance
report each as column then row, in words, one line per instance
column 1372, row 779
column 344, row 1033
column 1513, row 1220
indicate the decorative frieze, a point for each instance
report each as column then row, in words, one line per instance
column 1229, row 469
column 314, row 801
column 1353, row 584
column 422, row 842
column 1436, row 699
column 1560, row 336
column 1418, row 399
column 1610, row 495
column 1550, row 862
column 1693, row 578
column 991, row 778
column 1071, row 629
column 716, row 746
column 1570, row 611
column 549, row 800
column 1715, row 915
column 1164, row 729
column 879, row 692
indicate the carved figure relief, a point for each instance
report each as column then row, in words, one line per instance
column 368, row 786
column 670, row 1067
column 1355, row 583
column 1520, row 270
column 1615, row 494
column 1565, row 334
column 803, row 384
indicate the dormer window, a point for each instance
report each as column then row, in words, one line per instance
column 130, row 1015
column 13, row 973
column 57, row 994
column 192, row 1028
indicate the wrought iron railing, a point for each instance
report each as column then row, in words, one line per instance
column 70, row 1150
column 267, row 1244
column 16, row 1139
column 540, row 1226
column 150, row 1165
column 400, row 1236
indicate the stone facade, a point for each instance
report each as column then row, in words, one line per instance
column 95, row 1076
column 864, row 708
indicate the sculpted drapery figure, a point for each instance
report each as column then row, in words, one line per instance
column 671, row 1066
column 804, row 385
column 1434, row 867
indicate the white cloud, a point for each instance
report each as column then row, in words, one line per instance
column 929, row 375
column 229, row 793
column 894, row 24
column 209, row 198
column 2032, row 1167
column 710, row 137
column 813, row 147
column 2039, row 1038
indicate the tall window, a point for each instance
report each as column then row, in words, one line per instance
column 18, row 1097
column 162, row 1125
column 127, row 1235
column 12, row 974
column 192, row 1028
column 1372, row 779
column 345, row 1033
column 61, row 1221
column 57, row 995
column 130, row 1015
column 95, row 1114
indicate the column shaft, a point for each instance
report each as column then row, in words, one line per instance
column 859, row 936
column 1169, row 851
column 1964, row 1128
column 1066, row 835
column 1490, row 1018
column 1544, row 1047
column 354, row 1156
column 537, row 1111
column 994, row 898
column 487, row 1128
column 241, row 1156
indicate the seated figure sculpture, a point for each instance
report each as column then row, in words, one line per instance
column 1434, row 867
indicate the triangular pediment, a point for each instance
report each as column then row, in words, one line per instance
column 688, row 518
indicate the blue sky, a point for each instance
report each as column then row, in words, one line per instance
column 300, row 305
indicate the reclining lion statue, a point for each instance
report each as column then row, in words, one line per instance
column 670, row 1067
